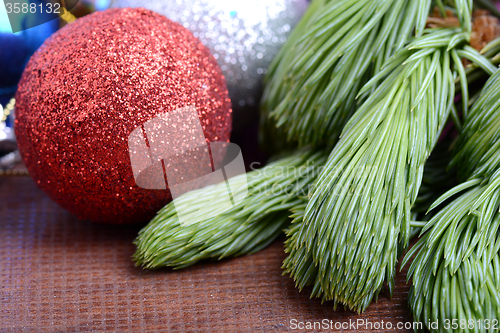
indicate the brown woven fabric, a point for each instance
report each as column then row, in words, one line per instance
column 58, row 274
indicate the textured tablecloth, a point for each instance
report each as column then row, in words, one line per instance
column 58, row 274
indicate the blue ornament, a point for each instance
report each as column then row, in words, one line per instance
column 17, row 48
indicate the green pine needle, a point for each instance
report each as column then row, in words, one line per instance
column 246, row 228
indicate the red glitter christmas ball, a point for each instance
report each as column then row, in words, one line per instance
column 89, row 86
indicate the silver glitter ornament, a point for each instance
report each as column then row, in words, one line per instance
column 243, row 36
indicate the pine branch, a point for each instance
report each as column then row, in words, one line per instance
column 302, row 268
column 360, row 207
column 459, row 256
column 246, row 228
column 313, row 83
column 460, row 250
